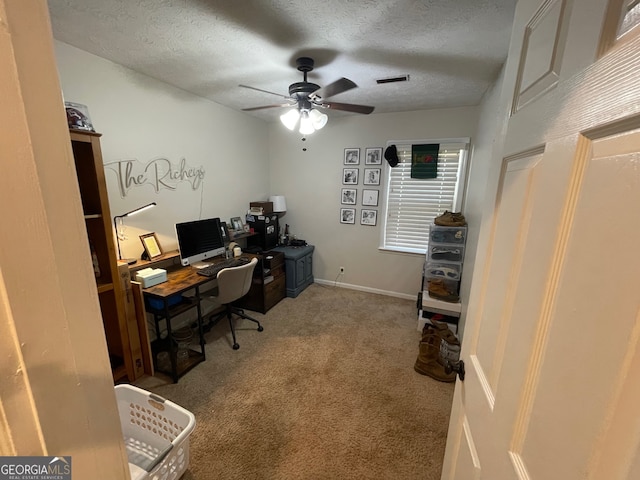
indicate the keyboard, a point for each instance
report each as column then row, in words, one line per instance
column 213, row 269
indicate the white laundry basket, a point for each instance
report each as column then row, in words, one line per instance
column 156, row 434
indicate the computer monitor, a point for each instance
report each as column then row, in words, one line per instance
column 199, row 240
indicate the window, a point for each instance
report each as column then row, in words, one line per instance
column 412, row 204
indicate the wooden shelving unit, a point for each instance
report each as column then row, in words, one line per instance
column 95, row 204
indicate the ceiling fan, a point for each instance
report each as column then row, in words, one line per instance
column 305, row 97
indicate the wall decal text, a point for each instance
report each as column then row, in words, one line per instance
column 160, row 173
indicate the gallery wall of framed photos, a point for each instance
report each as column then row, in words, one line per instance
column 367, row 197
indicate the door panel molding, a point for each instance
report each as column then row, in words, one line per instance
column 527, row 167
column 471, row 446
column 619, row 427
column 622, row 126
column 533, row 370
column 620, row 25
column 620, row 431
column 519, row 467
column 540, row 63
column 517, row 177
column 534, row 151
column 484, row 381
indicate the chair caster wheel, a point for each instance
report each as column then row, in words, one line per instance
column 236, row 346
column 260, row 328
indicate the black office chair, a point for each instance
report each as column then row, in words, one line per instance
column 233, row 284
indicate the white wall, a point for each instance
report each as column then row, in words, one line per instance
column 312, row 181
column 246, row 159
column 144, row 119
column 487, row 144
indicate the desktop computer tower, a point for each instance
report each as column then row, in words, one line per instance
column 266, row 229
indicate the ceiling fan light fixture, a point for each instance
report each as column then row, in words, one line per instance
column 290, row 119
column 305, row 96
column 306, row 124
column 318, row 119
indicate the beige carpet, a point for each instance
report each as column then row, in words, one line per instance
column 326, row 391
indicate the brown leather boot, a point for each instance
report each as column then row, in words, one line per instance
column 450, row 219
column 437, row 289
column 428, row 362
column 441, row 329
column 449, row 343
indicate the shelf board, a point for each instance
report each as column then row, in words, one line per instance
column 185, row 304
column 119, row 373
column 104, row 287
column 165, row 257
column 118, row 369
column 194, row 359
column 93, row 215
column 78, row 135
column 440, row 306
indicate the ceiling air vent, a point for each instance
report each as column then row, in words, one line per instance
column 403, row 78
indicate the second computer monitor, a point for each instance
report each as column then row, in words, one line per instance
column 199, row 240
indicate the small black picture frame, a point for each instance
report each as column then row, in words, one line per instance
column 370, row 198
column 368, row 217
column 349, row 196
column 371, row 176
column 237, row 224
column 350, row 176
column 373, row 156
column 352, row 156
column 348, row 215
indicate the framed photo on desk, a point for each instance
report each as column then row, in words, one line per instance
column 151, row 245
column 237, row 225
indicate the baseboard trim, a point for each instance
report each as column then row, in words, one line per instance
column 365, row 289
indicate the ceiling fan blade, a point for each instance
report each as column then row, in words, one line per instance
column 348, row 107
column 268, row 106
column 339, row 86
column 264, row 91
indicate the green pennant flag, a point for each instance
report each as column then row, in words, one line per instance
column 424, row 160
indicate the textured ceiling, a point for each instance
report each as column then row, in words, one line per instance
column 452, row 50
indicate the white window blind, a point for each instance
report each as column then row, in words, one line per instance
column 412, row 204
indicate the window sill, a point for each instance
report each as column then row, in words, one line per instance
column 411, row 251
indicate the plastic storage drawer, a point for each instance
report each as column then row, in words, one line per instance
column 442, row 270
column 445, row 253
column 453, row 235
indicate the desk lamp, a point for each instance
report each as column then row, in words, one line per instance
column 120, row 235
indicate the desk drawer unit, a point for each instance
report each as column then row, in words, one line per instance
column 274, row 292
column 268, row 284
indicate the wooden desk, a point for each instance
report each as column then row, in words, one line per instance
column 234, row 237
column 179, row 280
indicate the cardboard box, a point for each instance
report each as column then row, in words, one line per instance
column 132, row 322
column 141, row 318
column 267, row 207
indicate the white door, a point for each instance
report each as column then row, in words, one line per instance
column 551, row 344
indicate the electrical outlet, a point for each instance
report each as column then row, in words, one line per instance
column 341, row 270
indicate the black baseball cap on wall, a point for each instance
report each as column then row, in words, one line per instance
column 391, row 155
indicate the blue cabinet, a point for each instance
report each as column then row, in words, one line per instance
column 298, row 267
